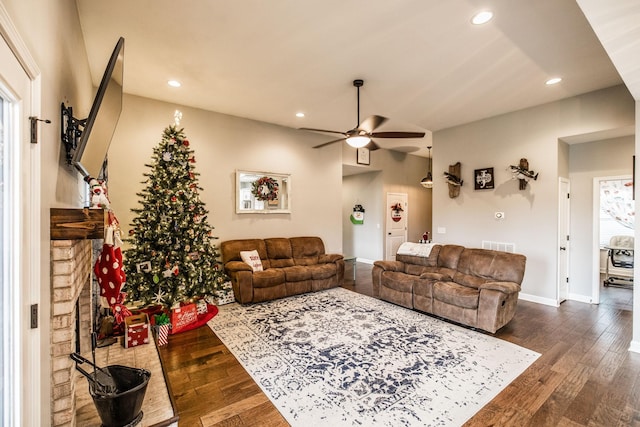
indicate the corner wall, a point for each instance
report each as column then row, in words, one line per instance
column 223, row 144
column 531, row 216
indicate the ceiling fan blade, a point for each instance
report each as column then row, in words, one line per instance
column 372, row 146
column 398, row 134
column 324, row 130
column 371, row 123
column 330, row 142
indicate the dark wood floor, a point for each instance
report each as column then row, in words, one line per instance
column 585, row 377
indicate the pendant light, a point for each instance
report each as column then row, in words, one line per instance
column 427, row 181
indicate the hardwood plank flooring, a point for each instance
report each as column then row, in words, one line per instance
column 585, row 376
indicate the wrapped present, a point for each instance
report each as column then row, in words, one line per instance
column 183, row 317
column 161, row 328
column 163, row 334
column 136, row 330
column 224, row 295
column 201, row 306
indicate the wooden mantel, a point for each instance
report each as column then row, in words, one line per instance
column 78, row 224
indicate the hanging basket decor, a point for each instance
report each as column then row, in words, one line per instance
column 265, row 189
column 396, row 212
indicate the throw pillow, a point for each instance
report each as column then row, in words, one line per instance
column 252, row 258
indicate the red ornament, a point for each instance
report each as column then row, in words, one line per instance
column 185, row 142
column 174, row 199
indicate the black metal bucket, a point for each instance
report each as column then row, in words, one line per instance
column 122, row 408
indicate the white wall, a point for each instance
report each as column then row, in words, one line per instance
column 223, row 144
column 611, row 157
column 390, row 172
column 530, row 215
column 51, row 32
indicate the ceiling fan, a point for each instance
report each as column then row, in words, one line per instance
column 361, row 135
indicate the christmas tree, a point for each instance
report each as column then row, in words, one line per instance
column 172, row 258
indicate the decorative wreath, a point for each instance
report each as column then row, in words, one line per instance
column 265, row 189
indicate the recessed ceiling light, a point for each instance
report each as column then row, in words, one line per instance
column 174, row 83
column 553, row 81
column 482, row 17
column 300, row 114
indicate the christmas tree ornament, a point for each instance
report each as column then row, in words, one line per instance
column 158, row 297
column 167, row 157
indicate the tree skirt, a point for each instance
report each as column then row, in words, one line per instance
column 344, row 359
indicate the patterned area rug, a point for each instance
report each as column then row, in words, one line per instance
column 339, row 358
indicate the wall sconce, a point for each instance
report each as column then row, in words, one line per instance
column 522, row 173
column 427, row 181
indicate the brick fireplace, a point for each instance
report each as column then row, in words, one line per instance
column 71, row 265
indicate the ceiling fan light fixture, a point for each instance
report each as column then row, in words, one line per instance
column 358, row 141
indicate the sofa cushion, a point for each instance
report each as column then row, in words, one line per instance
column 399, row 281
column 416, row 270
column 479, row 266
column 268, row 278
column 455, row 294
column 297, row 273
column 252, row 258
column 231, row 250
column 279, row 252
column 306, row 250
column 322, row 271
column 449, row 256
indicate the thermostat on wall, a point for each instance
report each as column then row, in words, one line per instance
column 499, row 215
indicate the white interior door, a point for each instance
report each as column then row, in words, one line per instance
column 396, row 223
column 563, row 240
column 19, row 355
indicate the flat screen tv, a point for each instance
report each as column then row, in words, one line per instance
column 100, row 125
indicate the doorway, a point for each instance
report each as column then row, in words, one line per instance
column 613, row 208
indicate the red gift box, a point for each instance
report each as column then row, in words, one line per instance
column 136, row 330
column 183, row 317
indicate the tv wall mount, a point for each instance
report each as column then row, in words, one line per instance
column 70, row 131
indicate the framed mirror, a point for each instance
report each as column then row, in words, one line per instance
column 263, row 192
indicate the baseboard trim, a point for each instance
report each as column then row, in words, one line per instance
column 635, row 346
column 581, row 298
column 365, row 261
column 538, row 300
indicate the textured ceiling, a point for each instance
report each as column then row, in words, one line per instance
column 424, row 65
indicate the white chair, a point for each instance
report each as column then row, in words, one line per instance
column 620, row 255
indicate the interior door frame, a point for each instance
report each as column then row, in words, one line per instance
column 33, row 345
column 564, row 199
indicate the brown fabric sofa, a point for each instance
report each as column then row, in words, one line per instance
column 291, row 266
column 475, row 287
